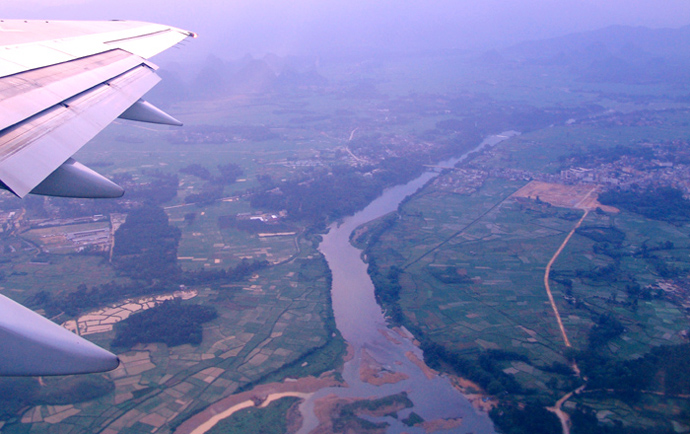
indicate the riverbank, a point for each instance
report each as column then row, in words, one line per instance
column 370, row 372
column 387, row 361
column 260, row 397
column 381, row 361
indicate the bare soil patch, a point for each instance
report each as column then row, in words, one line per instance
column 565, row 196
column 370, row 371
column 428, row 372
column 258, row 395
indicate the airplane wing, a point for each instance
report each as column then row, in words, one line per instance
column 61, row 82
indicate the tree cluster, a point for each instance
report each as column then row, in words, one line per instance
column 84, row 298
column 606, row 328
column 532, row 419
column 664, row 369
column 661, row 203
column 332, row 194
column 146, row 245
column 485, row 370
column 387, row 289
column 228, row 173
column 584, row 421
column 602, row 234
column 210, row 192
column 160, row 189
column 596, row 156
column 243, row 270
column 20, row 392
column 348, row 420
column 197, row 170
column 171, row 323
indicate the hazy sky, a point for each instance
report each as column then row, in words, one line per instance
column 302, row 26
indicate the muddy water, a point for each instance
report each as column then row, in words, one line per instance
column 361, row 322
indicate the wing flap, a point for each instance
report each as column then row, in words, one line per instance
column 34, row 148
column 28, row 93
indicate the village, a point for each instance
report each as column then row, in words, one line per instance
column 625, row 173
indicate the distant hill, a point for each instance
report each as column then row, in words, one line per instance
column 256, row 76
column 250, row 75
column 619, row 54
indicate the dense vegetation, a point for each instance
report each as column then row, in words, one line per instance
column 602, row 234
column 595, row 156
column 413, row 419
column 347, row 419
column 229, row 173
column 86, row 298
column 171, row 323
column 485, row 370
column 197, row 170
column 584, row 421
column 664, row 369
column 532, row 419
column 17, row 393
column 662, row 203
column 387, row 290
column 605, row 328
column 160, row 189
column 335, row 193
column 146, row 245
column 210, row 192
column 241, row 271
column 213, row 189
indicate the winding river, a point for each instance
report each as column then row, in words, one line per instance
column 361, row 322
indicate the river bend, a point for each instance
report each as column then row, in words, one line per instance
column 361, row 322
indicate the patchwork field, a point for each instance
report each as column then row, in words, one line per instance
column 267, row 323
column 470, row 269
column 470, row 266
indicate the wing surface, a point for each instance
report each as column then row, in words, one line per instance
column 33, row 345
column 61, row 82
